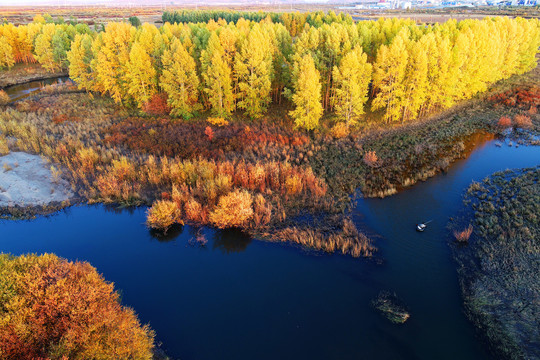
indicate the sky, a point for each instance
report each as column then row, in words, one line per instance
column 147, row 2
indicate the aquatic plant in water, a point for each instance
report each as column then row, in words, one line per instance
column 500, row 268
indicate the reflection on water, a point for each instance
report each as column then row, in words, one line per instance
column 21, row 91
column 171, row 234
column 230, row 241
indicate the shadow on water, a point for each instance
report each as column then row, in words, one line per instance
column 230, row 241
column 243, row 299
column 174, row 232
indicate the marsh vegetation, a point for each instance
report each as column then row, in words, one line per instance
column 499, row 268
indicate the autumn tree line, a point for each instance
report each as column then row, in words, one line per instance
column 293, row 21
column 397, row 67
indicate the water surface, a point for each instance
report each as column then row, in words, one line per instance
column 21, row 91
column 239, row 298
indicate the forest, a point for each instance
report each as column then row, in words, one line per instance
column 320, row 64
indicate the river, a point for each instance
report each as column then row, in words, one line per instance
column 21, row 91
column 238, row 298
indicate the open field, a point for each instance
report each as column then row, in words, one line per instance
column 152, row 14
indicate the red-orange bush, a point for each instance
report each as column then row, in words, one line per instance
column 157, row 105
column 189, row 140
column 504, row 122
column 52, row 308
column 208, row 132
column 525, row 99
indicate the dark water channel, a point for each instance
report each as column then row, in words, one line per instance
column 238, row 298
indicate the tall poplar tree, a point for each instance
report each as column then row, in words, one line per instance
column 254, row 72
column 111, row 56
column 307, row 94
column 79, row 58
column 44, row 48
column 141, row 75
column 180, row 81
column 352, row 79
column 389, row 77
column 217, row 78
column 6, row 53
column 415, row 82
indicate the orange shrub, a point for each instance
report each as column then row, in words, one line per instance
column 370, row 158
column 504, row 122
column 293, row 184
column 522, row 121
column 86, row 159
column 340, row 130
column 52, row 308
column 194, row 211
column 233, row 210
column 4, row 97
column 163, row 214
column 208, row 132
column 262, row 211
column 157, row 105
column 464, row 235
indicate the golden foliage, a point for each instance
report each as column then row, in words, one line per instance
column 233, row 210
column 163, row 214
column 217, row 121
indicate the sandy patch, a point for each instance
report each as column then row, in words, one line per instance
column 27, row 180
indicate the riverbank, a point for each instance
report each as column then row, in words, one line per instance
column 499, row 266
column 408, row 153
column 25, row 73
column 281, row 179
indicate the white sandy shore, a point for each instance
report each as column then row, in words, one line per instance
column 28, row 181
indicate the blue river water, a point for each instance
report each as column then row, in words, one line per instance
column 240, row 298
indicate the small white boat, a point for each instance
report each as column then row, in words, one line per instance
column 422, row 226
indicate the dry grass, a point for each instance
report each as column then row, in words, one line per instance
column 345, row 240
column 523, row 121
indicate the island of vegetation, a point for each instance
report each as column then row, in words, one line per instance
column 499, row 267
column 51, row 308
